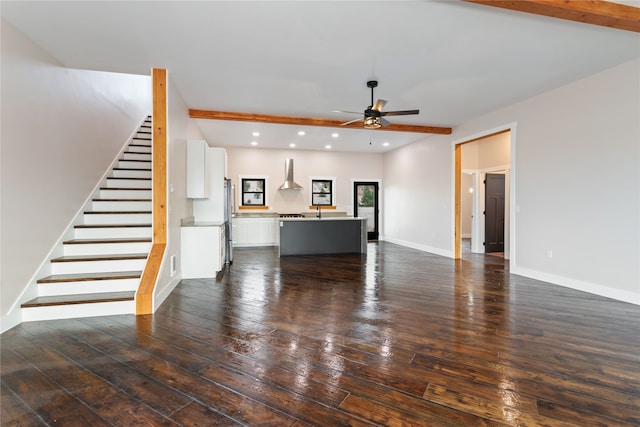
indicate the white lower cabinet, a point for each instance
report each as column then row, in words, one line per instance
column 255, row 232
column 202, row 251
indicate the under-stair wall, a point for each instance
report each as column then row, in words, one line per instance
column 96, row 269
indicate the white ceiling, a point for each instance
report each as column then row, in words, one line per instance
column 452, row 60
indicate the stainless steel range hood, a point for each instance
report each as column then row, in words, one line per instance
column 289, row 183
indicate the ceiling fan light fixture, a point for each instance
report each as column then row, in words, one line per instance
column 372, row 122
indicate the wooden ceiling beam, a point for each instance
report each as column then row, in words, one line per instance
column 596, row 12
column 307, row 121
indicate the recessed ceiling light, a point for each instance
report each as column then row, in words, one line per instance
column 292, row 145
column 334, row 135
column 328, row 147
column 254, row 143
column 256, row 134
column 386, row 144
column 301, row 133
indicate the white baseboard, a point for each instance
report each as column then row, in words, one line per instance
column 579, row 285
column 10, row 320
column 164, row 293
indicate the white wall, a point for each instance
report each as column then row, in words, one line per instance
column 577, row 184
column 487, row 154
column 344, row 167
column 466, row 204
column 51, row 117
column 418, row 193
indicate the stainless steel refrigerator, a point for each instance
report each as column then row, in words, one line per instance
column 229, row 209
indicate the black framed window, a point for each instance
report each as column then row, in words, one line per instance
column 253, row 191
column 322, row 192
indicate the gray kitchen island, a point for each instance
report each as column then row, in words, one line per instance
column 314, row 236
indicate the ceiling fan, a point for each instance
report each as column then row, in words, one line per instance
column 373, row 115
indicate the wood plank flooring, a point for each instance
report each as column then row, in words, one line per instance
column 396, row 337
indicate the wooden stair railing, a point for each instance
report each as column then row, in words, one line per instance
column 144, row 296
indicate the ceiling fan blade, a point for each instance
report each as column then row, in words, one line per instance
column 384, row 121
column 400, row 113
column 347, row 112
column 351, row 121
column 380, row 103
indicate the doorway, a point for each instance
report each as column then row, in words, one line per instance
column 365, row 205
column 489, row 153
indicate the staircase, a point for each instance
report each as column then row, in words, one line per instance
column 101, row 266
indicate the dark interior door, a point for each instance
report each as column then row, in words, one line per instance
column 494, row 213
column 365, row 196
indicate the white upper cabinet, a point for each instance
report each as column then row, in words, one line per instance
column 197, row 170
column 211, row 207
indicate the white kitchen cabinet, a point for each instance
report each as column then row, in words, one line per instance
column 197, row 170
column 211, row 208
column 252, row 231
column 202, row 250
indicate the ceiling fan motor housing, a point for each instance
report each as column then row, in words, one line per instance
column 370, row 112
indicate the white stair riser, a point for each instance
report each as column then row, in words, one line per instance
column 125, row 194
column 106, row 248
column 136, row 156
column 120, row 206
column 139, row 147
column 118, row 173
column 133, row 164
column 72, row 311
column 128, row 183
column 96, row 219
column 89, row 287
column 73, row 267
column 143, row 133
column 108, row 233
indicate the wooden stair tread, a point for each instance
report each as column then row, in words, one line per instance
column 133, row 169
column 137, row 179
column 120, row 200
column 112, row 240
column 85, row 277
column 80, row 299
column 112, row 225
column 116, row 212
column 124, row 188
column 112, row 257
column 134, row 160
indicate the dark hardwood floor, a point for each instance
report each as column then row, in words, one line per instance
column 397, row 337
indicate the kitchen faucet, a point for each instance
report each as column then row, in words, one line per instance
column 319, row 214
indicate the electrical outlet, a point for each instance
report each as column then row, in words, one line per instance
column 173, row 264
column 549, row 253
